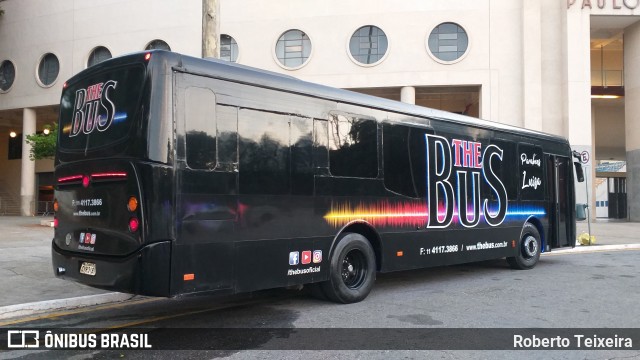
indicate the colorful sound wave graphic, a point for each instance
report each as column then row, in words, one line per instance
column 403, row 214
column 380, row 214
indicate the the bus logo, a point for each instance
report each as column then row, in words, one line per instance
column 93, row 108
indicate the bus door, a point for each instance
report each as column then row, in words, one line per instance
column 206, row 186
column 558, row 173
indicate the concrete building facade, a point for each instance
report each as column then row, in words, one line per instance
column 559, row 66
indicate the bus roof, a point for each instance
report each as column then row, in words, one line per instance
column 257, row 77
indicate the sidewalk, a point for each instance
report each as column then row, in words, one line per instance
column 26, row 272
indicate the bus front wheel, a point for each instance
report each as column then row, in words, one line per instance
column 529, row 248
column 352, row 270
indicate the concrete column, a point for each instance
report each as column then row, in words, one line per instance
column 632, row 117
column 211, row 28
column 28, row 178
column 577, row 92
column 408, row 95
column 532, row 64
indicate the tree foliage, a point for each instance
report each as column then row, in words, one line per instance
column 43, row 146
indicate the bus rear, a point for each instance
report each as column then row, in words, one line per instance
column 108, row 178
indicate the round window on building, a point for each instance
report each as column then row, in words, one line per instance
column 228, row 48
column 7, row 75
column 98, row 55
column 157, row 44
column 48, row 69
column 448, row 42
column 368, row 45
column 293, row 49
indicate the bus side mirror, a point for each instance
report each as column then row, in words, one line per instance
column 579, row 171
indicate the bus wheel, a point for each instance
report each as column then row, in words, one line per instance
column 352, row 270
column 529, row 248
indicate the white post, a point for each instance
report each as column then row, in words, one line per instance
column 408, row 95
column 28, row 173
column 632, row 118
column 211, row 28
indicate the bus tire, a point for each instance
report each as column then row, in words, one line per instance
column 352, row 270
column 529, row 247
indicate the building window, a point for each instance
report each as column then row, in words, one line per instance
column 98, row 55
column 293, row 49
column 48, row 69
column 157, row 44
column 228, row 48
column 368, row 45
column 7, row 75
column 448, row 42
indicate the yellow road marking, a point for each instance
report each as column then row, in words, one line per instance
column 587, row 251
column 172, row 316
column 79, row 311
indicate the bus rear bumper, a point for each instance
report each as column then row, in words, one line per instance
column 145, row 272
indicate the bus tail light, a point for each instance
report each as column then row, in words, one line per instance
column 85, row 181
column 69, row 179
column 147, row 56
column 132, row 204
column 55, row 222
column 55, row 205
column 134, row 224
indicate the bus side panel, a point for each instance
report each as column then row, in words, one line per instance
column 447, row 247
column 265, row 264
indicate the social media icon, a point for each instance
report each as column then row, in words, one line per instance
column 81, row 240
column 294, row 258
column 306, row 257
column 93, row 239
column 317, row 256
column 87, row 238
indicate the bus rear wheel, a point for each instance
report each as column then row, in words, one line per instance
column 529, row 248
column 352, row 270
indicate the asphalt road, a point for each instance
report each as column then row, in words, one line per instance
column 593, row 290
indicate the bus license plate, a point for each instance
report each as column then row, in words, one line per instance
column 88, row 268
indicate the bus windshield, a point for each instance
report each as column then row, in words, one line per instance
column 99, row 110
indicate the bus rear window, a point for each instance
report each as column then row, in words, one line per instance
column 99, row 110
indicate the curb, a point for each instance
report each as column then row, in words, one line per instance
column 12, row 311
column 593, row 248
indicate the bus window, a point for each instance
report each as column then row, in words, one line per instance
column 404, row 159
column 418, row 157
column 353, row 146
column 321, row 146
column 200, row 128
column 264, row 152
column 301, row 156
column 99, row 110
column 227, row 119
column 397, row 161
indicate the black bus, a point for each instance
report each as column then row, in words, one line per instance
column 178, row 175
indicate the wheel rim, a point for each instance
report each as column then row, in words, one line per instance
column 530, row 246
column 354, row 269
